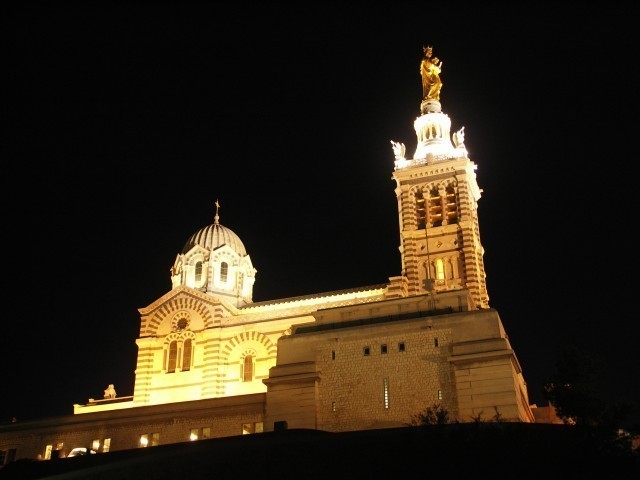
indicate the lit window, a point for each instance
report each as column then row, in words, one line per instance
column 421, row 213
column 248, row 428
column 186, row 355
column 333, row 406
column 206, row 432
column 198, row 272
column 224, row 271
column 439, row 269
column 435, row 208
column 149, row 440
column 439, row 394
column 47, row 452
column 247, row 369
column 95, row 445
column 173, row 356
column 385, row 387
column 194, row 434
column 383, row 348
column 401, row 347
column 367, row 351
column 106, row 445
column 452, row 207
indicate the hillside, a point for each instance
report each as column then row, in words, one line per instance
column 518, row 450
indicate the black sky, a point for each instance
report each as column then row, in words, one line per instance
column 126, row 123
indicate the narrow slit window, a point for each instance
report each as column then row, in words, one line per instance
column 401, row 347
column 224, row 272
column 421, row 212
column 385, row 388
column 247, row 370
column 435, row 342
column 383, row 348
column 367, row 351
column 186, row 355
column 173, row 357
column 439, row 269
column 198, row 272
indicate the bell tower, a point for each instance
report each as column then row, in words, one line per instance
column 438, row 197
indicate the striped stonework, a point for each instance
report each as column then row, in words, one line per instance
column 441, row 252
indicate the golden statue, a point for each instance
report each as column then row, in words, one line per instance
column 430, row 68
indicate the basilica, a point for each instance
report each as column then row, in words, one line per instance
column 213, row 363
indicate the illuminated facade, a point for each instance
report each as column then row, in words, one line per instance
column 212, row 363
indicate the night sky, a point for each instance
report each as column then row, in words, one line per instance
column 125, row 124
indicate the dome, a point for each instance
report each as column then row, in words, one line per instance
column 214, row 236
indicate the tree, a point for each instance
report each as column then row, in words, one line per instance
column 571, row 389
column 436, row 414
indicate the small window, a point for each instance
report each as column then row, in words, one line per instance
column 385, row 387
column 47, row 452
column 224, row 271
column 333, row 406
column 198, row 272
column 7, row 456
column 173, row 356
column 106, row 445
column 439, row 394
column 248, row 428
column 421, row 213
column 149, row 440
column 186, row 355
column 206, row 432
column 383, row 348
column 367, row 351
column 435, row 342
column 333, row 354
column 401, row 347
column 194, row 434
column 247, row 369
column 95, row 445
column 439, row 269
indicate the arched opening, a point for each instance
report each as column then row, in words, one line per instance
column 247, row 369
column 186, row 355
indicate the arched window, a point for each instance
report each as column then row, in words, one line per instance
column 186, row 355
column 247, row 369
column 435, row 208
column 439, row 269
column 421, row 212
column 224, row 271
column 452, row 205
column 198, row 272
column 173, row 356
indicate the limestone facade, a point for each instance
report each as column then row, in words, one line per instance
column 213, row 363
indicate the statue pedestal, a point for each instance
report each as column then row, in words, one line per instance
column 430, row 106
